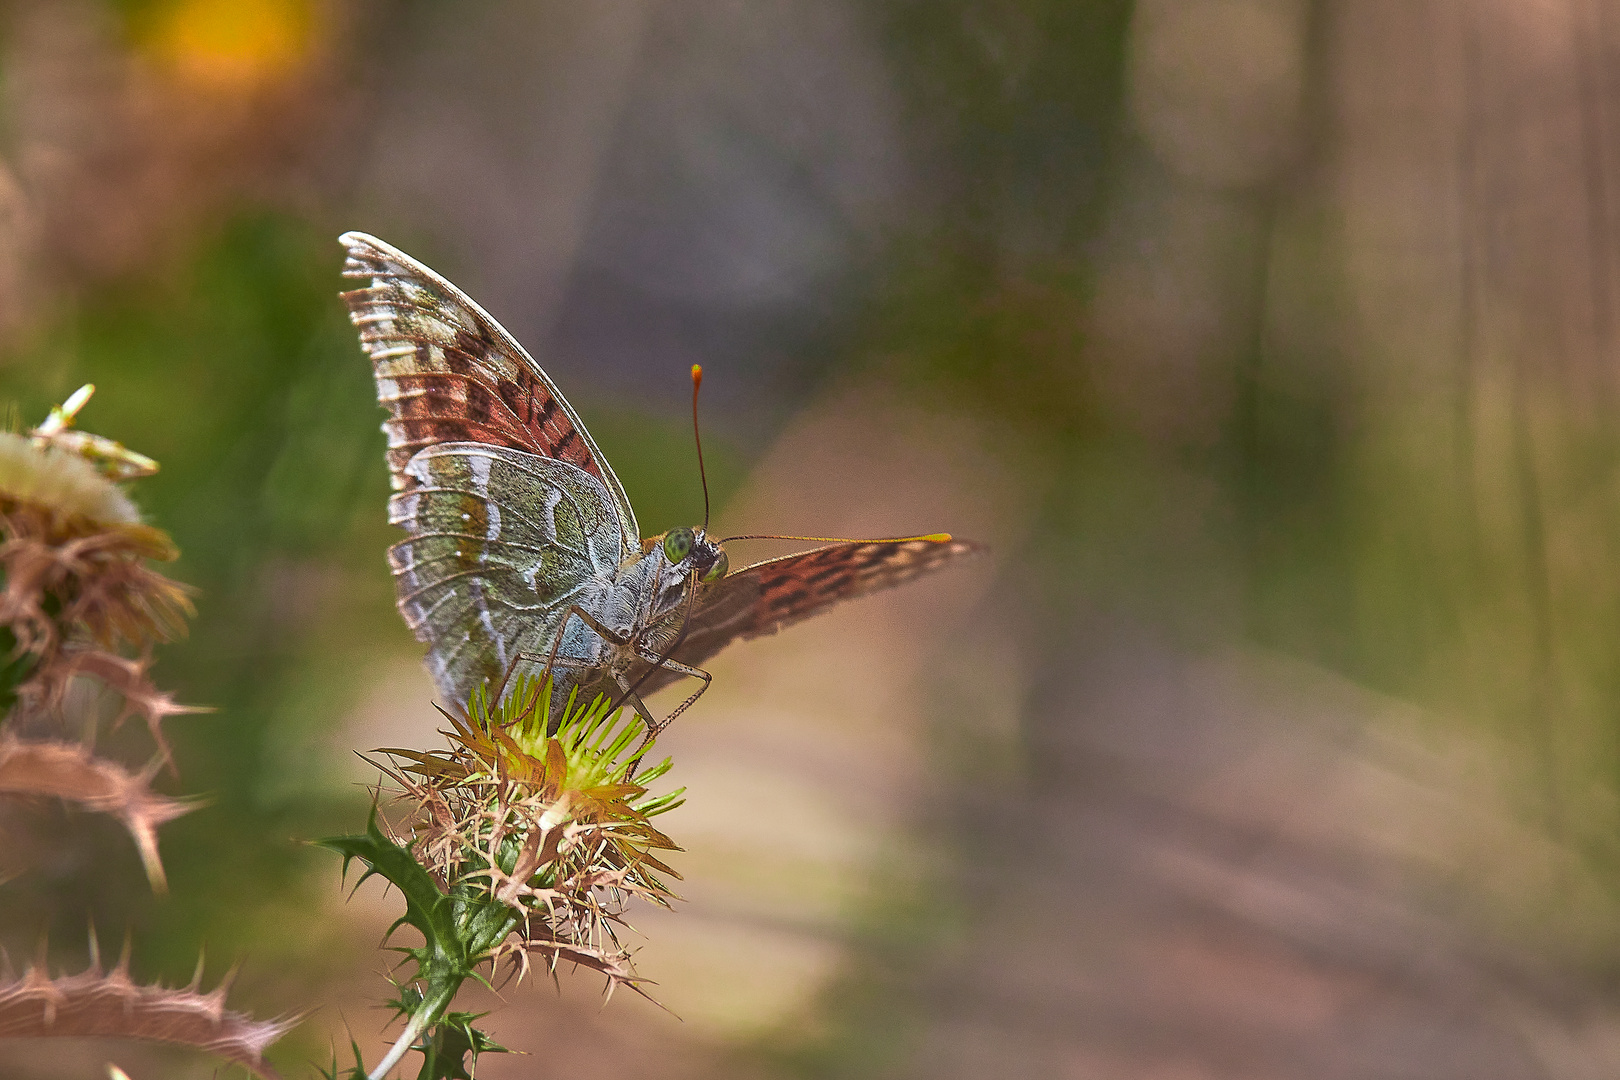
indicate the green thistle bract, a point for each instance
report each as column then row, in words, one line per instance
column 530, row 810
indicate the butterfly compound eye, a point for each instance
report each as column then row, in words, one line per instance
column 678, row 544
column 718, row 570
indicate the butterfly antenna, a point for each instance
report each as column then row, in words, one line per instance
column 932, row 538
column 697, row 437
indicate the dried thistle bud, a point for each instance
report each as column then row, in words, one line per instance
column 63, row 487
column 74, row 553
column 75, row 589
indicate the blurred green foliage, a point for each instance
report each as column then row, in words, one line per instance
column 227, row 373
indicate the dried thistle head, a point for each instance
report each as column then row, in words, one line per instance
column 555, row 826
column 74, row 551
column 97, row 1003
column 76, row 591
column 74, row 554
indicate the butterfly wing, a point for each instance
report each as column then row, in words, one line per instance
column 482, row 576
column 763, row 598
column 448, row 372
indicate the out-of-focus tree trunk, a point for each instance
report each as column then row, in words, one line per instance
column 1323, row 740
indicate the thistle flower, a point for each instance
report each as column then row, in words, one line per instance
column 518, row 843
column 546, row 820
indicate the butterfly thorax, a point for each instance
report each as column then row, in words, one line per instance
column 639, row 607
column 663, row 582
column 646, row 587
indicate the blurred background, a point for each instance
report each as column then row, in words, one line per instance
column 1271, row 343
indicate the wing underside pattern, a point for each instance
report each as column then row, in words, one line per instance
column 511, row 513
column 448, row 372
column 480, row 579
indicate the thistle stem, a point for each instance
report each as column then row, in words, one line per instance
column 425, row 1014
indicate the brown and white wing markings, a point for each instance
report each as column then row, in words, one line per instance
column 763, row 598
column 481, row 578
column 448, row 372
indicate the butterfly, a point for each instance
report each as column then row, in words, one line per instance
column 521, row 548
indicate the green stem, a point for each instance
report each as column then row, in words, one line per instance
column 426, row 1013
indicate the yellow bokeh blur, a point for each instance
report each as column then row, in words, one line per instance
column 232, row 45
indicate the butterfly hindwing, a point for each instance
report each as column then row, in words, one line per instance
column 448, row 372
column 482, row 576
column 763, row 598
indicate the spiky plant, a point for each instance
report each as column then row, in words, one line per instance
column 77, row 597
column 96, row 1003
column 514, row 843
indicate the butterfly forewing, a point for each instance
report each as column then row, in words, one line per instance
column 448, row 372
column 763, row 598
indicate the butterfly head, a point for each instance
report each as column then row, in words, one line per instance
column 690, row 551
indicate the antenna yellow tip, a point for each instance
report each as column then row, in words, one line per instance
column 697, row 373
column 937, row 538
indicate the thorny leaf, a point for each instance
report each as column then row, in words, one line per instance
column 445, row 1049
column 70, row 771
column 101, row 1004
column 338, row 1072
column 458, row 930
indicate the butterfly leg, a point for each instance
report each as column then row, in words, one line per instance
column 589, row 620
column 547, row 662
column 552, row 660
column 630, row 696
column 633, row 699
column 654, row 728
column 683, row 669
